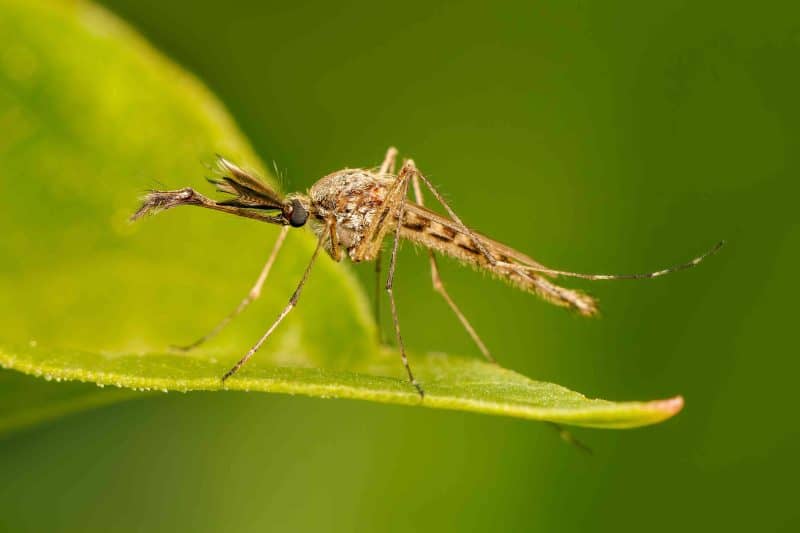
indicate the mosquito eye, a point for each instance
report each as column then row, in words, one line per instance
column 299, row 214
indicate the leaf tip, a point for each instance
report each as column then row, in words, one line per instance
column 670, row 407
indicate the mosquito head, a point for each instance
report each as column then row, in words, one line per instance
column 295, row 211
column 297, row 214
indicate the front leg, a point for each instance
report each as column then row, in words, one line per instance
column 286, row 310
column 336, row 249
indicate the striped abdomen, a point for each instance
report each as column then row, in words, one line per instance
column 441, row 234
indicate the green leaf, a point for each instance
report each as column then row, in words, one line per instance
column 91, row 117
column 25, row 401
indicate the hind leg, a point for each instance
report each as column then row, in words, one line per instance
column 438, row 286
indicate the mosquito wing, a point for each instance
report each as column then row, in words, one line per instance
column 446, row 236
column 448, row 232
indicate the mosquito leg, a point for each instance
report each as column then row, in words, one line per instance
column 292, row 303
column 377, row 308
column 583, row 303
column 438, row 286
column 478, row 243
column 252, row 296
column 569, row 438
column 387, row 167
column 647, row 275
column 336, row 250
column 390, row 290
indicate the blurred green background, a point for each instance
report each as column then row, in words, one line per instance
column 595, row 136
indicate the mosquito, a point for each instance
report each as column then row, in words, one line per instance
column 352, row 212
